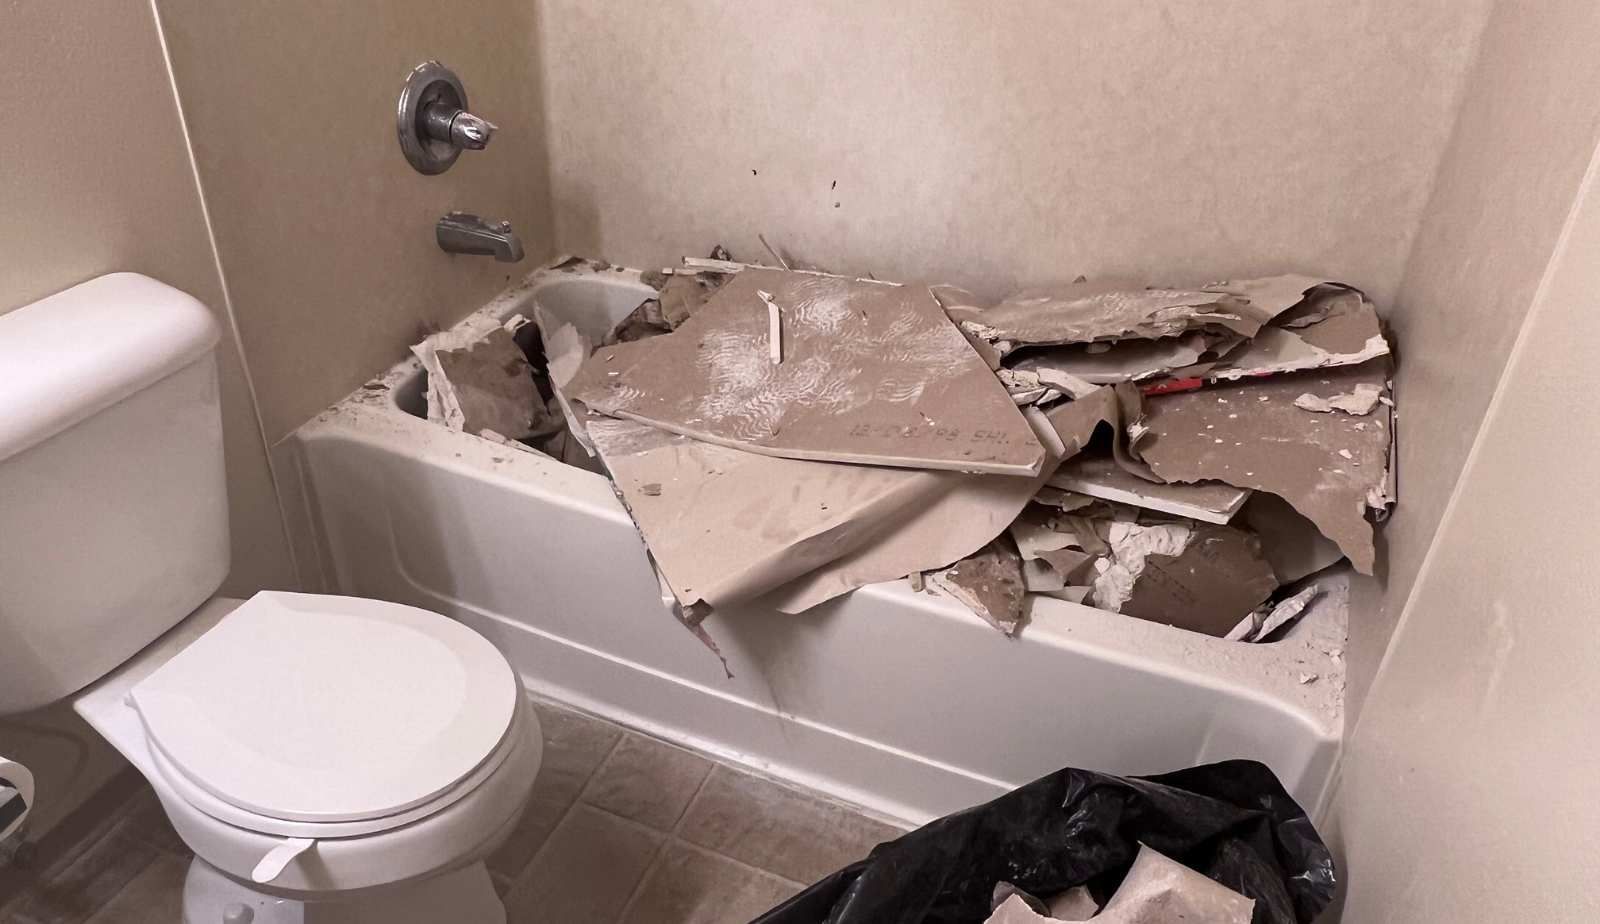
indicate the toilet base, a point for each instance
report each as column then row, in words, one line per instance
column 465, row 896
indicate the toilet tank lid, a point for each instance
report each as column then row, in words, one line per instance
column 75, row 353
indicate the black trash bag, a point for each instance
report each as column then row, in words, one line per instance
column 1232, row 821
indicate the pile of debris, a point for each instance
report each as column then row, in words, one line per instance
column 1183, row 455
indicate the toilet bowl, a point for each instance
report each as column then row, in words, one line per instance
column 234, row 718
column 327, row 759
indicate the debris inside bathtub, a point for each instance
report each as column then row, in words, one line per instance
column 1190, row 455
column 484, row 383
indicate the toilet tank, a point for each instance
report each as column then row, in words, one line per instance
column 113, row 500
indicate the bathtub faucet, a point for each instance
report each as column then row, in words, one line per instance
column 463, row 232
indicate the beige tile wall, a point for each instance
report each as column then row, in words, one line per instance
column 1529, row 120
column 1468, row 789
column 996, row 143
column 94, row 178
column 325, row 232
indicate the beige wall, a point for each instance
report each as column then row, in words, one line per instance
column 324, row 230
column 95, row 178
column 1468, row 792
column 997, row 143
column 1529, row 118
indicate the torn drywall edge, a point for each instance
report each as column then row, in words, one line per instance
column 1102, row 478
column 1252, row 436
column 702, row 509
column 565, row 350
column 990, row 583
column 481, row 382
column 957, row 523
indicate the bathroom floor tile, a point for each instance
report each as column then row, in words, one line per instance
column 83, row 884
column 585, row 871
column 776, row 828
column 155, row 896
column 574, row 745
column 620, row 827
column 688, row 885
column 648, row 781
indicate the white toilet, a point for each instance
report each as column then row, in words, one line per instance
column 328, row 759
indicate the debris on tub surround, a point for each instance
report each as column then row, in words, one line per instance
column 1187, row 455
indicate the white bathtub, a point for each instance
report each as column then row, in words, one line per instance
column 902, row 702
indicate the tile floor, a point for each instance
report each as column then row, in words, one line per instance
column 622, row 829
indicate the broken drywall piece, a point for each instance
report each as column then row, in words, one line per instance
column 1131, row 546
column 1292, row 544
column 955, row 523
column 482, row 383
column 1101, row 477
column 1016, row 910
column 1075, row 904
column 682, row 296
column 1038, row 577
column 1358, row 403
column 565, row 350
column 1272, row 296
column 1087, row 312
column 1285, row 611
column 989, row 583
column 1105, row 363
column 1160, row 890
column 706, row 514
column 1063, row 501
column 1015, row 906
column 641, row 323
column 1348, row 334
column 873, row 374
column 1218, row 575
column 1252, row 436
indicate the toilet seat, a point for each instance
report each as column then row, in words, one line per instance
column 318, row 716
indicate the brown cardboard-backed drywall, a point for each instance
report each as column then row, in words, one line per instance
column 1327, row 466
column 998, row 145
column 325, row 233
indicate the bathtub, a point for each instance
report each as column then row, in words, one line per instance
column 901, row 702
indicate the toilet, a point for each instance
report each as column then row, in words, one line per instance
column 327, row 759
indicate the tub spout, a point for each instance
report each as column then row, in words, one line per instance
column 463, row 232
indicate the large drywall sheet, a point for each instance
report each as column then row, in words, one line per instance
column 1468, row 787
column 992, row 144
column 1529, row 119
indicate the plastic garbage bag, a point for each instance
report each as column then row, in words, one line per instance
column 1231, row 821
